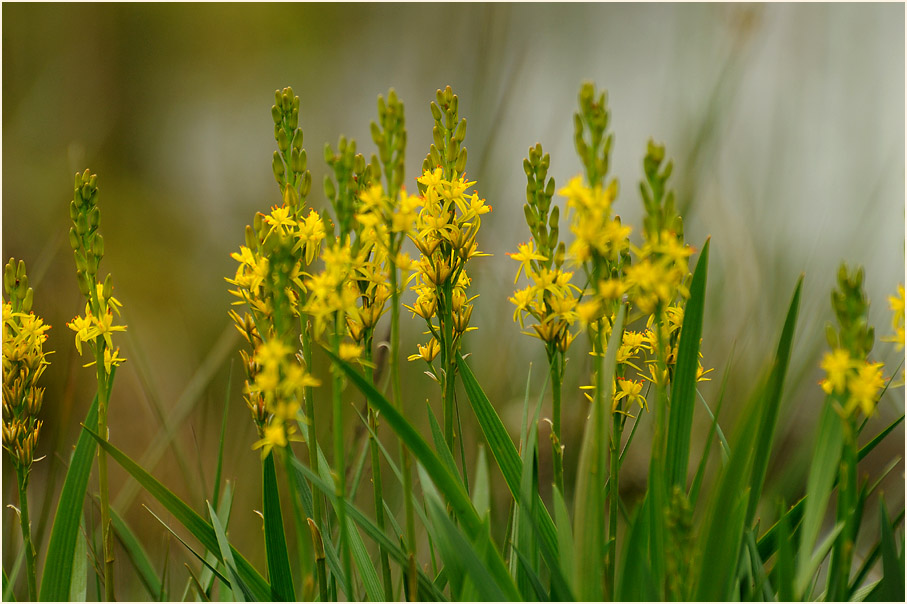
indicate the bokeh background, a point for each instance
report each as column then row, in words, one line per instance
column 785, row 123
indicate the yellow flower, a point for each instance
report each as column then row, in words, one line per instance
column 632, row 391
column 350, row 352
column 864, row 387
column 274, row 436
column 85, row 328
column 427, row 353
column 896, row 304
column 525, row 256
column 836, row 364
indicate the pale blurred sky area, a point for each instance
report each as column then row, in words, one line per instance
column 785, row 123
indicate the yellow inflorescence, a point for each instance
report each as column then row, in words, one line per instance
column 859, row 382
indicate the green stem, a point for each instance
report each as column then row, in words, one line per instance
column 405, row 458
column 106, row 527
column 340, row 457
column 317, row 501
column 554, row 362
column 25, row 523
column 377, row 484
column 613, row 499
column 842, row 552
column 446, row 312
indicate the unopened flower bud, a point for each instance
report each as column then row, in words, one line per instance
column 107, row 290
column 283, row 142
column 329, row 190
column 94, row 218
column 277, row 167
column 28, row 300
column 97, row 246
column 461, row 161
column 73, row 211
column 461, row 131
column 435, row 112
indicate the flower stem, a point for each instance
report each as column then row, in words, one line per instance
column 556, row 449
column 406, row 461
column 377, row 483
column 317, row 502
column 340, row 457
column 106, row 531
column 30, row 569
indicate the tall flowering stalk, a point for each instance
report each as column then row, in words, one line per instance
column 280, row 246
column 445, row 236
column 852, row 385
column 550, row 298
column 95, row 330
column 24, row 360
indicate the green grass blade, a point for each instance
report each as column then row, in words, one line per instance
column 364, row 564
column 210, row 565
column 200, row 529
column 538, row 590
column 7, row 589
column 634, row 582
column 369, row 527
column 58, row 563
column 461, row 557
column 713, row 428
column 199, row 590
column 762, row 587
column 136, row 554
column 78, row 588
column 564, row 533
column 722, row 439
column 824, row 467
column 785, row 563
column 809, row 571
column 275, row 538
column 588, row 516
column 241, row 591
column 440, row 444
column 683, row 390
column 223, row 511
column 508, row 459
column 772, row 403
column 870, row 560
column 891, row 588
column 481, row 492
column 868, row 447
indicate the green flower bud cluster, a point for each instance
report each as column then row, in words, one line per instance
column 661, row 213
column 352, row 175
column 389, row 134
column 447, row 135
column 590, row 125
column 289, row 162
column 86, row 242
column 542, row 225
column 851, row 307
column 15, row 284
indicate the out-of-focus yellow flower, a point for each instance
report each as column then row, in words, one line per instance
column 864, row 388
column 837, row 364
column 525, row 256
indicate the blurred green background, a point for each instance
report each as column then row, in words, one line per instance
column 785, row 123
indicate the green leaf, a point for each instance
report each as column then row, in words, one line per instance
column 275, row 537
column 58, row 563
column 772, row 403
column 200, row 529
column 891, row 588
column 440, row 444
column 426, row 587
column 199, row 590
column 137, row 555
column 635, row 583
column 78, row 588
column 7, row 588
column 461, row 558
column 209, row 565
column 683, row 391
column 240, row 590
column 823, row 468
column 481, row 492
column 223, row 511
column 713, row 428
column 508, row 460
column 564, row 533
column 589, row 504
column 215, row 500
column 785, row 563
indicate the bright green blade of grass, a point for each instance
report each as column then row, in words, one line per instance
column 683, row 390
column 215, row 500
column 136, row 554
column 891, row 588
column 199, row 590
column 526, row 546
column 364, row 564
column 209, row 565
column 772, row 403
column 223, row 511
column 762, row 588
column 440, row 444
column 58, row 563
column 588, row 516
column 462, row 557
column 370, row 528
column 7, row 588
column 507, row 458
column 78, row 588
column 564, row 533
column 275, row 538
column 241, row 591
column 538, row 590
column 785, row 562
column 481, row 492
column 823, row 468
column 634, row 582
column 713, row 428
column 200, row 529
column 870, row 560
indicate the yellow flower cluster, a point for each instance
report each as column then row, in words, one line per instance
column 24, row 360
column 657, row 278
column 550, row 299
column 277, row 387
column 598, row 235
column 333, row 290
column 95, row 329
column 445, row 235
column 896, row 305
column 860, row 381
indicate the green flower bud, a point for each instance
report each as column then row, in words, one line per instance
column 258, row 222
column 452, row 146
column 290, row 197
column 329, row 191
column 9, row 277
column 97, row 246
column 251, row 239
column 549, row 190
column 107, row 290
column 94, row 218
column 435, row 156
column 328, row 154
column 300, row 161
column 358, row 164
column 297, row 140
column 532, row 218
column 461, row 161
column 73, row 211
column 277, row 167
column 461, row 131
column 277, row 98
column 283, row 142
column 293, row 119
column 435, row 112
column 306, row 185
column 84, row 285
column 553, row 218
column 81, row 224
